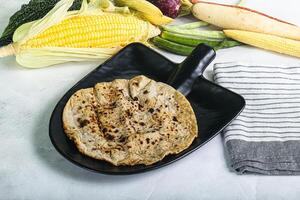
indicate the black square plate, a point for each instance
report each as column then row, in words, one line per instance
column 215, row 107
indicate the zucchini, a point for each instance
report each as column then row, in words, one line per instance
column 34, row 10
column 190, row 40
column 196, row 32
column 184, row 45
column 172, row 46
column 191, row 25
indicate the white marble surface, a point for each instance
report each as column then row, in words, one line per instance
column 30, row 167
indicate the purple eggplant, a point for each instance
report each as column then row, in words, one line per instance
column 170, row 8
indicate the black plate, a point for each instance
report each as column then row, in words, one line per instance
column 215, row 106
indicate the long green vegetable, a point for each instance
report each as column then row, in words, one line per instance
column 191, row 25
column 184, row 45
column 196, row 32
column 189, row 40
column 172, row 46
column 182, row 39
column 227, row 43
column 35, row 9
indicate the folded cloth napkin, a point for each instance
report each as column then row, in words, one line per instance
column 265, row 137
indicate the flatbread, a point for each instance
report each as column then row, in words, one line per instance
column 129, row 122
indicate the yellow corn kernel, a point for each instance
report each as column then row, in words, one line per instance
column 265, row 41
column 94, row 31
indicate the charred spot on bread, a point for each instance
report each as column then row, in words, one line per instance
column 175, row 119
column 104, row 130
column 109, row 137
column 83, row 122
column 151, row 110
column 135, row 84
column 147, row 140
column 123, row 139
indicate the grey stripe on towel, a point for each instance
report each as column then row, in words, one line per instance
column 265, row 138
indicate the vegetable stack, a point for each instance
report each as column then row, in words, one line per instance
column 87, row 34
column 182, row 39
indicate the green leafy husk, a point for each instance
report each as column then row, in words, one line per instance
column 108, row 6
column 34, row 10
column 43, row 57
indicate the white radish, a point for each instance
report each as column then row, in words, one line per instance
column 241, row 18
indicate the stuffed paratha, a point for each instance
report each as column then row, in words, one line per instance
column 129, row 122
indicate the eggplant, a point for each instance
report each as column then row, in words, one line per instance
column 170, row 8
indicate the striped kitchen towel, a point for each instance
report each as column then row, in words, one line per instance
column 265, row 137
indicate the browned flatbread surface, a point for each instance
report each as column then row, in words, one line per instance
column 129, row 122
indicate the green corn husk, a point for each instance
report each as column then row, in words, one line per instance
column 108, row 6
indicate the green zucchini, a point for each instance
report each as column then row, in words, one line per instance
column 196, row 32
column 190, row 40
column 34, row 10
column 183, row 45
column 191, row 25
column 172, row 46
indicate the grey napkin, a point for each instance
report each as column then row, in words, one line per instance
column 265, row 138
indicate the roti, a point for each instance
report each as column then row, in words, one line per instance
column 130, row 122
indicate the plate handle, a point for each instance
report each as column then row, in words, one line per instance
column 192, row 67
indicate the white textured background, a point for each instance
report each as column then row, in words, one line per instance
column 30, row 168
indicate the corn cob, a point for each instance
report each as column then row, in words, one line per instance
column 146, row 10
column 102, row 31
column 34, row 10
column 265, row 41
column 63, row 36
